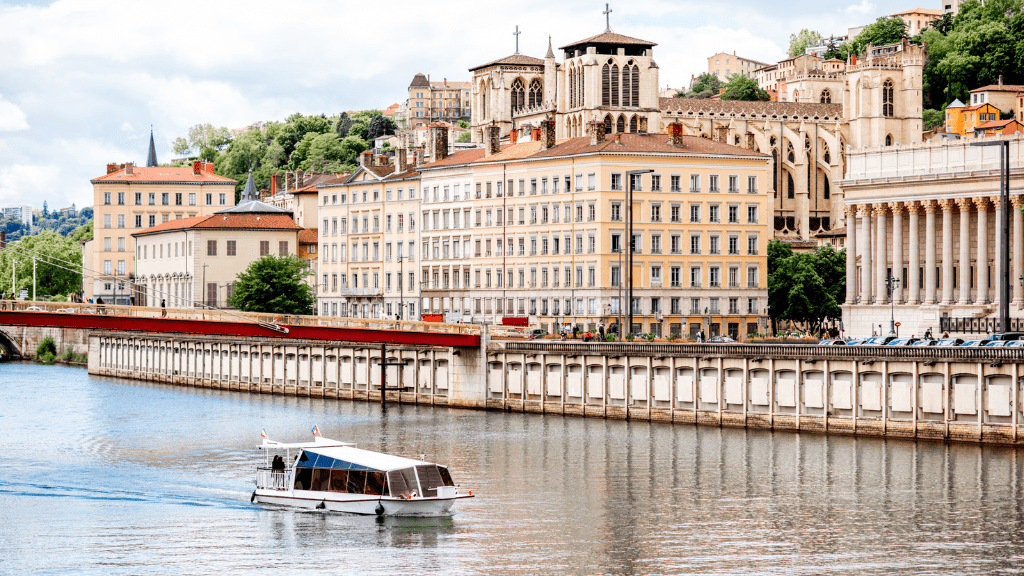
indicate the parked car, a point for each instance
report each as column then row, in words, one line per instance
column 877, row 341
column 902, row 342
column 34, row 309
column 1005, row 336
column 721, row 340
column 950, row 342
column 854, row 341
column 995, row 343
column 1015, row 344
column 974, row 343
column 832, row 343
column 537, row 333
column 926, row 342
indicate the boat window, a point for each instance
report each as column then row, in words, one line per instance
column 303, row 478
column 321, row 478
column 356, row 481
column 446, row 476
column 374, row 483
column 429, row 479
column 403, row 483
column 339, row 481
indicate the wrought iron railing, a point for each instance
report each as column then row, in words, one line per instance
column 978, row 325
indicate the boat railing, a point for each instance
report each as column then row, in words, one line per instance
column 269, row 479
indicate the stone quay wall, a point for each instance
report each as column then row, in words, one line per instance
column 958, row 394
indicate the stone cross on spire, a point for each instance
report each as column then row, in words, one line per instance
column 516, row 34
column 607, row 18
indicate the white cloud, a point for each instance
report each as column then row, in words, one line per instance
column 126, row 127
column 865, row 8
column 12, row 118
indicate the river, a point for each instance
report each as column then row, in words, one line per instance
column 104, row 476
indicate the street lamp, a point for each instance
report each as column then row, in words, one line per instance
column 618, row 329
column 14, row 282
column 629, row 238
column 1004, row 230
column 891, row 283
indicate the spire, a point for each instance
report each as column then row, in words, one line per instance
column 551, row 53
column 249, row 193
column 151, row 159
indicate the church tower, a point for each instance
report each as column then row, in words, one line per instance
column 883, row 95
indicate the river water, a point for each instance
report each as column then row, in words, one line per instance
column 103, row 476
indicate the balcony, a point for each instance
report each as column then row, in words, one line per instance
column 360, row 292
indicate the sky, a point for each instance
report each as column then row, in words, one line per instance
column 82, row 81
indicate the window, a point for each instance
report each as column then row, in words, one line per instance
column 655, row 243
column 751, row 214
column 734, row 245
column 120, row 220
column 264, row 247
column 106, row 197
column 223, row 199
column 695, row 244
column 591, row 181
column 677, row 244
column 152, row 220
column 616, row 181
column 713, row 183
column 165, row 198
column 655, row 212
column 752, row 244
column 230, row 249
column 138, row 220
column 120, row 198
column 734, row 214
column 674, row 274
column 211, row 247
column 694, row 182
column 675, row 183
column 178, row 198
column 191, row 198
column 733, row 185
column 616, row 215
column 713, row 247
column 655, row 182
column 713, row 213
column 713, row 278
column 282, row 248
column 209, row 199
column 751, row 184
column 887, row 98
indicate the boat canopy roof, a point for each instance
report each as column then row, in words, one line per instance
column 327, row 453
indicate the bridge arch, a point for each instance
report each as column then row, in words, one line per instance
column 9, row 344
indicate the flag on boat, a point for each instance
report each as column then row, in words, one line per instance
column 315, row 430
column 263, row 433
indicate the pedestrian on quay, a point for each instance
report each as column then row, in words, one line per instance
column 163, row 308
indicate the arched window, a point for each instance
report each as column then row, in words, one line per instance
column 888, row 139
column 620, row 126
column 796, row 95
column 775, row 171
column 792, row 188
column 825, row 193
column 790, row 155
column 627, row 77
column 572, row 87
column 825, row 154
column 615, row 85
column 536, row 93
column 518, row 96
column 634, row 85
column 826, row 96
column 581, row 86
column 887, row 98
column 632, row 124
column 606, row 97
column 608, row 124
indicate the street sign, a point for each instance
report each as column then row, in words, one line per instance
column 897, row 324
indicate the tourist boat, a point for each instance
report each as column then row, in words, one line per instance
column 337, row 476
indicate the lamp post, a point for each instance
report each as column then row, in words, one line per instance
column 1003, row 230
column 14, row 282
column 618, row 330
column 33, row 279
column 629, row 239
column 401, row 293
column 891, row 283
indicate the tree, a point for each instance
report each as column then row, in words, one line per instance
column 379, row 126
column 705, row 83
column 200, row 137
column 82, row 233
column 934, row 119
column 742, row 88
column 462, row 124
column 46, row 211
column 54, row 254
column 464, row 137
column 799, row 42
column 883, row 31
column 343, row 125
column 805, row 288
column 274, row 284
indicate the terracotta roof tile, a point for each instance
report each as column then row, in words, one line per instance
column 226, row 221
column 610, row 38
column 308, row 236
column 994, row 124
column 513, row 60
column 460, row 157
column 791, row 109
column 999, row 88
column 639, row 143
column 163, row 174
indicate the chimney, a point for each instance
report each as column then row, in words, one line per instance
column 111, row 168
column 197, row 168
column 547, row 134
column 675, row 129
column 300, row 177
column 400, row 162
column 273, row 184
column 287, row 181
column 534, row 134
column 439, row 141
column 596, row 132
column 382, row 160
column 492, row 143
column 513, row 136
column 365, row 158
column 721, row 134
column 750, row 141
column 129, row 168
column 1000, row 79
column 642, row 126
column 208, row 167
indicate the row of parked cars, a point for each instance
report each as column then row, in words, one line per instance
column 998, row 340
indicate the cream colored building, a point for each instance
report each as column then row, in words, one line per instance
column 431, row 102
column 129, row 199
column 1002, row 96
column 546, row 224
column 927, row 214
column 723, row 65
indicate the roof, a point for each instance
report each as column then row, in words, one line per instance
column 978, row 106
column 994, row 124
column 833, row 233
column 460, row 157
column 310, row 181
column 358, row 457
column 225, row 222
column 610, row 38
column 639, row 143
column 513, row 60
column 164, row 175
column 999, row 88
column 419, row 81
column 956, row 103
column 791, row 109
column 444, row 85
column 254, row 207
column 308, row 236
column 928, row 11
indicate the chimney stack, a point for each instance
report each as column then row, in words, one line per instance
column 439, row 142
column 382, row 160
column 1000, row 79
column 547, row 134
column 129, row 168
column 492, row 142
column 111, row 168
column 721, row 134
column 400, row 161
column 675, row 129
column 513, row 136
column 197, row 168
column 534, row 134
column 366, row 158
column 299, row 178
column 596, row 132
column 273, row 184
column 642, row 126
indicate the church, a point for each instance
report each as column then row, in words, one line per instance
column 825, row 110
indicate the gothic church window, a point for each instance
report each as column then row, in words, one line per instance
column 632, row 124
column 888, row 139
column 606, row 97
column 536, row 94
column 790, row 155
column 608, row 124
column 518, row 96
column 792, row 188
column 887, row 98
column 826, row 96
column 620, row 126
column 634, row 86
column 825, row 193
column 615, row 85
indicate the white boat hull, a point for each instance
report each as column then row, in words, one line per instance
column 357, row 504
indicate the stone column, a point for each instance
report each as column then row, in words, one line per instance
column 881, row 256
column 999, row 242
column 964, row 204
column 897, row 249
column 982, row 261
column 865, row 254
column 914, row 277
column 851, row 254
column 1018, row 249
column 930, row 241
column 947, row 251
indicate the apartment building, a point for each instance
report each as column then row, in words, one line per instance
column 431, row 102
column 129, row 199
column 724, row 65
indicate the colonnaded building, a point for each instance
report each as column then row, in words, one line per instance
column 826, row 108
column 927, row 215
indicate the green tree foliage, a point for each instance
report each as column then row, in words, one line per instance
column 465, row 137
column 462, row 124
column 883, row 31
column 742, row 88
column 82, row 233
column 705, row 86
column 51, row 279
column 805, row 288
column 201, row 137
column 380, row 126
column 934, row 119
column 799, row 42
column 274, row 284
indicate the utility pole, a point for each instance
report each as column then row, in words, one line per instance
column 33, row 279
column 14, row 281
